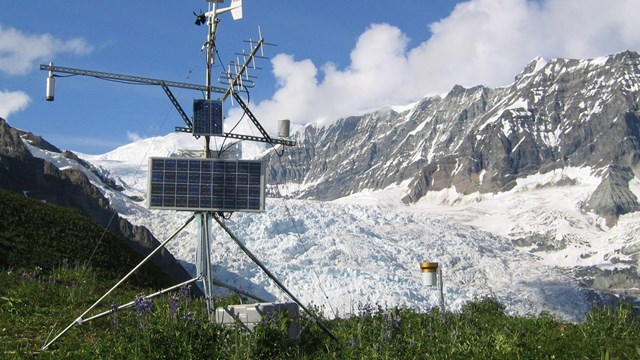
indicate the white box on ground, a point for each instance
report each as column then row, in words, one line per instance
column 249, row 315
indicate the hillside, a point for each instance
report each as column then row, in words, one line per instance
column 34, row 234
column 71, row 187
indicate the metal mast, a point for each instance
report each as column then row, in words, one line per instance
column 203, row 257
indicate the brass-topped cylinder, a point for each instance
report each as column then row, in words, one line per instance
column 429, row 273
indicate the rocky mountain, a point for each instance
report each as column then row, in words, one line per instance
column 36, row 178
column 557, row 114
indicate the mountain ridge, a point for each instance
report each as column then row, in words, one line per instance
column 558, row 113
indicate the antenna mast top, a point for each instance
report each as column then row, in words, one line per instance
column 210, row 45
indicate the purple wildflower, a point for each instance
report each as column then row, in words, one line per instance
column 366, row 310
column 26, row 276
column 143, row 306
column 352, row 342
column 185, row 294
column 114, row 313
column 174, row 304
column 624, row 296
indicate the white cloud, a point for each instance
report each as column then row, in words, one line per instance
column 19, row 51
column 133, row 136
column 484, row 42
column 12, row 101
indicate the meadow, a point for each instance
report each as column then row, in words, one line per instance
column 52, row 270
column 35, row 305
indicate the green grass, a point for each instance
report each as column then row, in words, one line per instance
column 35, row 306
column 49, row 275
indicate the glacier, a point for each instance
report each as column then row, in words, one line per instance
column 366, row 248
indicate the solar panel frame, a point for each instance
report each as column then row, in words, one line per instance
column 188, row 184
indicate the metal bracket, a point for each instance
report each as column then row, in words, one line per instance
column 175, row 103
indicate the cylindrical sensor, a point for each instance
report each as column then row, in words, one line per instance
column 283, row 128
column 51, row 88
column 429, row 273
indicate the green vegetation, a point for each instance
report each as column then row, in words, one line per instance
column 41, row 293
column 35, row 306
column 34, row 234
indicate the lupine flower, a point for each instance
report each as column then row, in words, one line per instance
column 185, row 294
column 26, row 276
column 143, row 306
column 114, row 313
column 624, row 295
column 366, row 310
column 174, row 304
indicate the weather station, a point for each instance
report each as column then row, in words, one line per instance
column 209, row 186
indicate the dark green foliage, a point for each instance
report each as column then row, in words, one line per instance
column 34, row 234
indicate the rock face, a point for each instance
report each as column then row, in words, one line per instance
column 22, row 173
column 612, row 197
column 556, row 114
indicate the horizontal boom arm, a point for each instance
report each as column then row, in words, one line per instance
column 128, row 78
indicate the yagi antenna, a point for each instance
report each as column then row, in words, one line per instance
column 234, row 79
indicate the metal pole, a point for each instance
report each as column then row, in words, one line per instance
column 236, row 290
column 150, row 296
column 204, row 239
column 210, row 60
column 204, row 262
column 441, row 285
column 79, row 320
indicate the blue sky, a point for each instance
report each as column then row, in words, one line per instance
column 332, row 59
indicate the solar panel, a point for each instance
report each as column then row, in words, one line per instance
column 207, row 117
column 206, row 184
